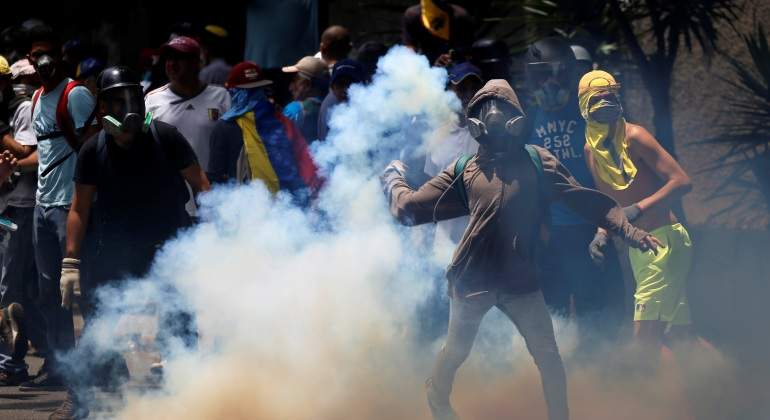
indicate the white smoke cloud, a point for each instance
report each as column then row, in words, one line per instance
column 312, row 314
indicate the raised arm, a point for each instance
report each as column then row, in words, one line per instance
column 432, row 202
column 594, row 206
column 676, row 182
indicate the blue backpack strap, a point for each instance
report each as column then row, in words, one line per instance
column 460, row 165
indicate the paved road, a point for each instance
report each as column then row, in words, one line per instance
column 17, row 405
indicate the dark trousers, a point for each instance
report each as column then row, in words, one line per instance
column 49, row 236
column 112, row 260
column 18, row 276
column 568, row 273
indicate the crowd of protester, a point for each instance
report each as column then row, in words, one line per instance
column 101, row 163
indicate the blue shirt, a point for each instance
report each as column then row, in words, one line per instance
column 562, row 132
column 55, row 189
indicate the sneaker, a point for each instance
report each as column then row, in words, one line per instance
column 13, row 337
column 13, row 379
column 43, row 382
column 440, row 407
column 70, row 409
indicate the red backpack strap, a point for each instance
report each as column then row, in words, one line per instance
column 63, row 118
column 35, row 97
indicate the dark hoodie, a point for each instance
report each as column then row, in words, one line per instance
column 506, row 208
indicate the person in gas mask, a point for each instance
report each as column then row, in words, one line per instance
column 61, row 109
column 572, row 283
column 505, row 189
column 629, row 165
column 130, row 189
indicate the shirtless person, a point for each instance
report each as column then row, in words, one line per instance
column 629, row 165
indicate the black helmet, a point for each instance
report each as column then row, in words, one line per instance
column 492, row 57
column 116, row 77
column 551, row 72
column 551, row 49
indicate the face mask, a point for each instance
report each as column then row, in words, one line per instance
column 132, row 123
column 493, row 122
column 45, row 66
column 125, row 112
column 551, row 96
column 22, row 90
column 605, row 111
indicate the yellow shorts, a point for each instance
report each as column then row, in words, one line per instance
column 661, row 279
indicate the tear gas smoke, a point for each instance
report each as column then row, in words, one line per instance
column 299, row 321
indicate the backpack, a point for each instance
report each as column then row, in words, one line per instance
column 63, row 121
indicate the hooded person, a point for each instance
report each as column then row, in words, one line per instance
column 505, row 190
column 629, row 165
column 253, row 141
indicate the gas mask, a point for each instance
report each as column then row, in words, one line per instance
column 125, row 112
column 550, row 81
column 496, row 119
column 45, row 66
column 606, row 110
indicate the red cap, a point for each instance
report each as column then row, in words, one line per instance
column 246, row 75
column 181, row 44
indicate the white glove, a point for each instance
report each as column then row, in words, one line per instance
column 69, row 284
column 394, row 171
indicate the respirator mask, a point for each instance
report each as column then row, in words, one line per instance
column 495, row 118
column 125, row 112
column 550, row 82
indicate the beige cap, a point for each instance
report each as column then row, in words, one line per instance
column 311, row 67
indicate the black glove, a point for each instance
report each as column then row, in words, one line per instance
column 632, row 212
column 596, row 247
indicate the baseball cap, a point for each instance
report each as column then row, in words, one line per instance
column 308, row 66
column 22, row 68
column 181, row 45
column 89, row 67
column 350, row 68
column 459, row 72
column 246, row 75
column 5, row 69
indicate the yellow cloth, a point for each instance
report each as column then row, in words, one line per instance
column 435, row 19
column 216, row 30
column 609, row 149
column 5, row 69
column 661, row 280
column 259, row 162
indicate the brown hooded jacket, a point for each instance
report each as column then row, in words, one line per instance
column 506, row 207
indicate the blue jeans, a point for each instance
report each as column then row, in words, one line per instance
column 50, row 233
column 18, row 278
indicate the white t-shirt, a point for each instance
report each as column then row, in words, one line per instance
column 194, row 117
column 23, row 193
column 459, row 142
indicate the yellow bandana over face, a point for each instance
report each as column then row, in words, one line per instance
column 607, row 141
column 435, row 19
